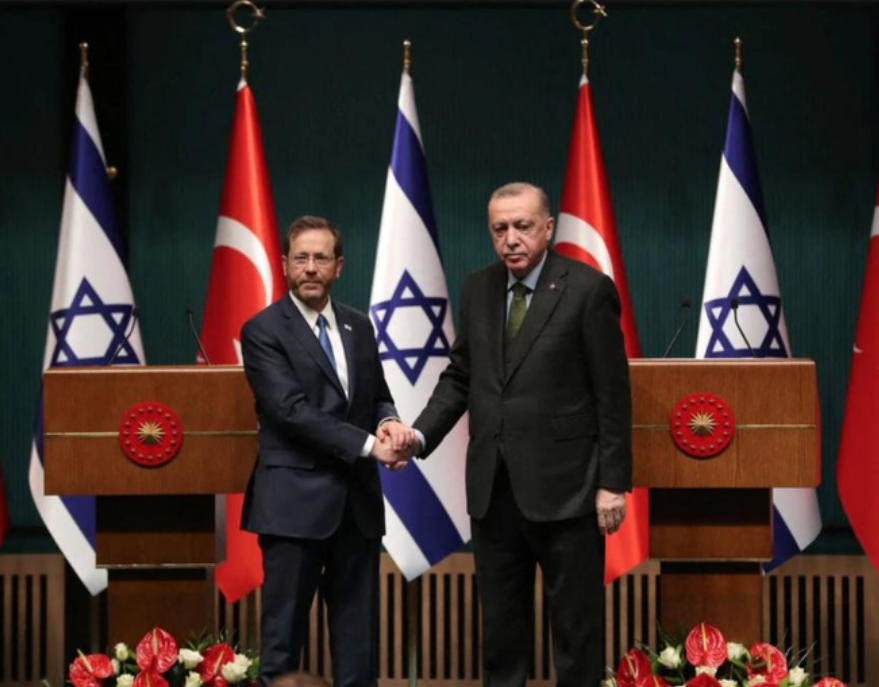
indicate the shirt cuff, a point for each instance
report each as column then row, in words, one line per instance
column 420, row 436
column 367, row 446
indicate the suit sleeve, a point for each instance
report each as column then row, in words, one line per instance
column 450, row 397
column 280, row 396
column 609, row 374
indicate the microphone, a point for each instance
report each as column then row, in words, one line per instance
column 135, row 313
column 734, row 303
column 204, row 356
column 685, row 306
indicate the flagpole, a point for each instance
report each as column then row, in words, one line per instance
column 257, row 15
column 84, row 60
column 600, row 12
column 738, row 61
column 413, row 588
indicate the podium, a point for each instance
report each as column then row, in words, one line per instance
column 155, row 529
column 711, row 517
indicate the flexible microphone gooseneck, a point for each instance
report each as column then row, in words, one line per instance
column 734, row 303
column 204, row 356
column 685, row 306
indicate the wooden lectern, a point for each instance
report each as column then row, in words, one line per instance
column 711, row 518
column 155, row 525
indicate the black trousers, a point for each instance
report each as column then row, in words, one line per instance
column 346, row 566
column 571, row 555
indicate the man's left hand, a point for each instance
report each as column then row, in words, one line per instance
column 611, row 509
column 401, row 437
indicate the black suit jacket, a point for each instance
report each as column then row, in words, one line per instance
column 310, row 435
column 556, row 404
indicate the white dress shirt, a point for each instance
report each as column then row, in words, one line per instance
column 338, row 347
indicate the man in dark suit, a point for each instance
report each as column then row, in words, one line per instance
column 539, row 364
column 315, row 498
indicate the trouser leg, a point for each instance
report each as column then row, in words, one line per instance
column 505, row 575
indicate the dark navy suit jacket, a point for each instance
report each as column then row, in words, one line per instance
column 310, row 435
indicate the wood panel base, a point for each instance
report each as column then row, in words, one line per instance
column 726, row 595
column 177, row 600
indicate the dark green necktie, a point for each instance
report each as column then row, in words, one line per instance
column 518, row 308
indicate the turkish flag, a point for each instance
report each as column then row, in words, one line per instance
column 857, row 465
column 245, row 277
column 587, row 232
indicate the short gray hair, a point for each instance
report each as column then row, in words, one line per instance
column 517, row 188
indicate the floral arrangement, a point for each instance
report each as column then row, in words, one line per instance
column 706, row 659
column 157, row 662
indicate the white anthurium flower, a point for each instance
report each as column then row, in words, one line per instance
column 116, row 666
column 700, row 670
column 670, row 657
column 797, row 677
column 735, row 651
column 236, row 670
column 125, row 681
column 121, row 652
column 193, row 680
column 728, row 683
column 757, row 680
column 189, row 658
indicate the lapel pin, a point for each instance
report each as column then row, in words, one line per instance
column 348, row 327
column 552, row 286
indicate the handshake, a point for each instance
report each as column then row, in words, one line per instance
column 395, row 444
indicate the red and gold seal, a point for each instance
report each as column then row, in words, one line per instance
column 702, row 425
column 150, row 434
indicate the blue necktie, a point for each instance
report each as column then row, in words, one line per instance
column 325, row 339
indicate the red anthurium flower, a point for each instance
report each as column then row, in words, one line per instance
column 703, row 680
column 90, row 671
column 830, row 682
column 149, row 678
column 634, row 666
column 214, row 659
column 705, row 646
column 157, row 651
column 652, row 681
column 768, row 661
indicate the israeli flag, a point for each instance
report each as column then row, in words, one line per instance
column 740, row 266
column 425, row 504
column 91, row 313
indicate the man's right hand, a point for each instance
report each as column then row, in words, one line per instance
column 387, row 456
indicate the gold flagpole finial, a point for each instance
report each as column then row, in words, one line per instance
column 600, row 12
column 257, row 15
column 738, row 43
column 407, row 57
column 84, row 60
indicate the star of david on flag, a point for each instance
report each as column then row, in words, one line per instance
column 91, row 313
column 756, row 309
column 89, row 331
column 741, row 266
column 425, row 506
column 401, row 323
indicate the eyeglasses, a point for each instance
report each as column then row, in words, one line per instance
column 302, row 260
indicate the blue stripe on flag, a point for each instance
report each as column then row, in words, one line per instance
column 783, row 543
column 739, row 153
column 81, row 508
column 410, row 170
column 421, row 512
column 88, row 174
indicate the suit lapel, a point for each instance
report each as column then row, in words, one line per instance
column 303, row 333
column 546, row 297
column 496, row 317
column 346, row 331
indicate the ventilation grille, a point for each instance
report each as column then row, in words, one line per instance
column 31, row 620
column 827, row 606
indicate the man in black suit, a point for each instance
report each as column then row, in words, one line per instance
column 315, row 498
column 539, row 363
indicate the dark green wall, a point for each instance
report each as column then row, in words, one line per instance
column 496, row 89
